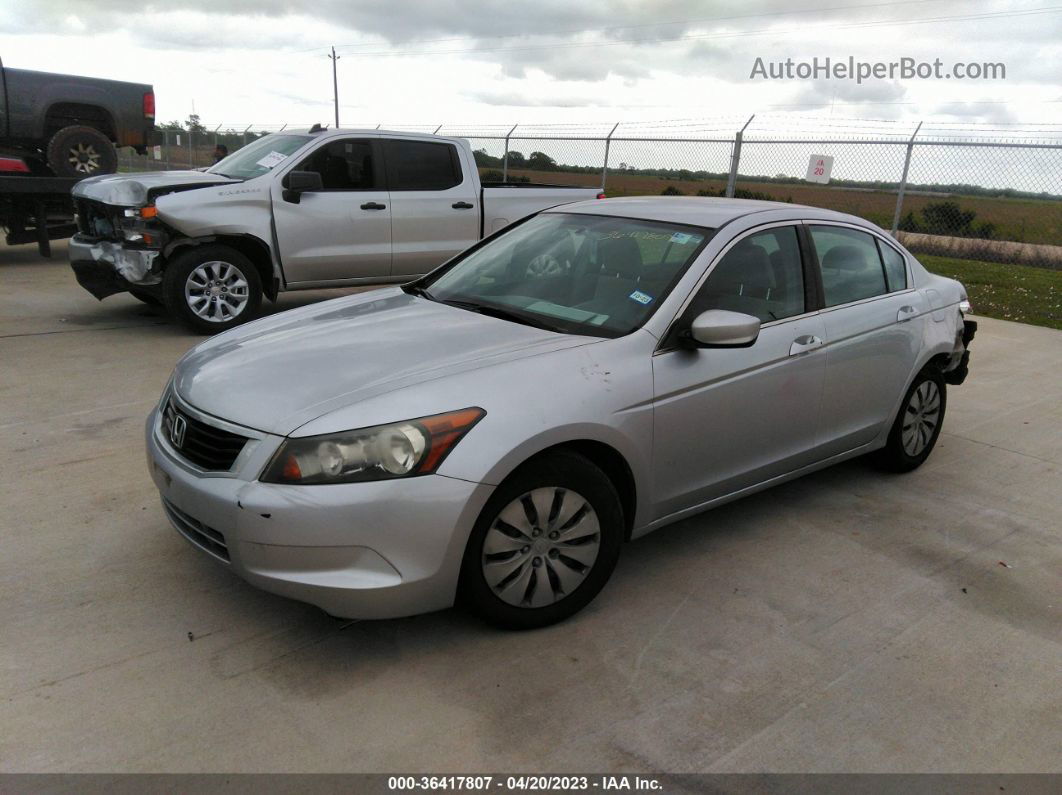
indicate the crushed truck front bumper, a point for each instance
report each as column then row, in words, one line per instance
column 104, row 267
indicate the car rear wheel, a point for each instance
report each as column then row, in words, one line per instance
column 81, row 151
column 917, row 426
column 212, row 288
column 544, row 545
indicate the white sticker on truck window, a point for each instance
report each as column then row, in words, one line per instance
column 272, row 159
column 681, row 238
column 640, row 297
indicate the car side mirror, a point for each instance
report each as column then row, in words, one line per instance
column 295, row 183
column 719, row 328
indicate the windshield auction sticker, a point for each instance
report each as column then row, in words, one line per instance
column 272, row 159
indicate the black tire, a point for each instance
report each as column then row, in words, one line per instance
column 898, row 454
column 147, row 298
column 564, row 471
column 176, row 277
column 80, row 151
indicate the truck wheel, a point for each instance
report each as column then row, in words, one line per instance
column 212, row 288
column 80, row 151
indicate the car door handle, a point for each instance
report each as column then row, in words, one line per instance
column 462, row 206
column 373, row 206
column 905, row 313
column 804, row 344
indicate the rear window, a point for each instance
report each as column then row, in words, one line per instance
column 421, row 165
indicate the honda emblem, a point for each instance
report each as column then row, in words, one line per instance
column 177, row 430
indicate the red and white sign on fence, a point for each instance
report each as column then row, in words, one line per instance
column 819, row 168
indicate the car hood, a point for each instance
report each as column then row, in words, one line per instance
column 137, row 190
column 279, row 373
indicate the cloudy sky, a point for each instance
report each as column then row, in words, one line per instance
column 497, row 62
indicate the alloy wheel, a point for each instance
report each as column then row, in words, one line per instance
column 217, row 291
column 541, row 547
column 84, row 158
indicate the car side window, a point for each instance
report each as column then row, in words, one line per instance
column 761, row 276
column 346, row 164
column 895, row 267
column 421, row 165
column 850, row 264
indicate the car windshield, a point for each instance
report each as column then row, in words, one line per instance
column 257, row 158
column 579, row 274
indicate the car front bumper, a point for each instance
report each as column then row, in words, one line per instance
column 104, row 267
column 361, row 550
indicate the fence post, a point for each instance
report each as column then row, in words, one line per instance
column 735, row 159
column 245, row 135
column 505, row 157
column 191, row 147
column 608, row 143
column 903, row 182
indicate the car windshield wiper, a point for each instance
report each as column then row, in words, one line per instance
column 416, row 289
column 502, row 313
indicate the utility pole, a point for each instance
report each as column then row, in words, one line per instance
column 335, row 83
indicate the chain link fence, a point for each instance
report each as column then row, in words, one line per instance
column 995, row 199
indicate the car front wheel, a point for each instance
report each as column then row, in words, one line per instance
column 545, row 544
column 917, row 426
column 212, row 288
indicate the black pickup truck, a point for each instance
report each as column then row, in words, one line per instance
column 56, row 129
column 73, row 125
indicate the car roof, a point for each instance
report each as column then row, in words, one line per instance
column 700, row 210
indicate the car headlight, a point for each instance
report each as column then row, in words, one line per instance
column 397, row 450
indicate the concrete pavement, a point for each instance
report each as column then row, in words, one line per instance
column 849, row 621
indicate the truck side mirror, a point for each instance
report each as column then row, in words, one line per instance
column 296, row 183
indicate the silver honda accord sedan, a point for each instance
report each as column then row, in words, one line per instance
column 492, row 433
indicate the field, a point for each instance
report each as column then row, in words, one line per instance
column 1024, row 220
column 1008, row 292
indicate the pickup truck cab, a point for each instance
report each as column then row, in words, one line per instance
column 293, row 211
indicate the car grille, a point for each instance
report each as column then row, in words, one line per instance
column 206, row 538
column 206, row 446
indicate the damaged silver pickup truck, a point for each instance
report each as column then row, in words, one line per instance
column 326, row 208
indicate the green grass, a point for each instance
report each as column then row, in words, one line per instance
column 1009, row 292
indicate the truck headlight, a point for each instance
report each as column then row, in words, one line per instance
column 139, row 226
column 400, row 449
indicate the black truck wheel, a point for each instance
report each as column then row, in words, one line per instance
column 80, row 151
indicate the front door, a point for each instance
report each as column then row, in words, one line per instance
column 728, row 418
column 343, row 231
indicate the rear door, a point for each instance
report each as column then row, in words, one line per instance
column 874, row 324
column 343, row 231
column 434, row 203
column 729, row 418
